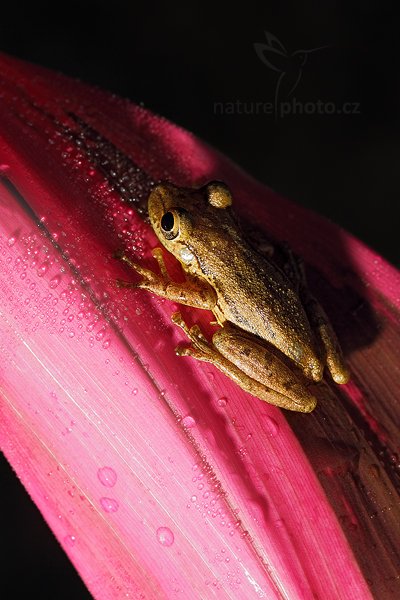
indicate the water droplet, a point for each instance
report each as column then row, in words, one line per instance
column 188, row 422
column 100, row 334
column 42, row 270
column 270, row 426
column 109, row 504
column 107, row 476
column 54, row 282
column 12, row 240
column 165, row 536
column 70, row 540
column 222, row 402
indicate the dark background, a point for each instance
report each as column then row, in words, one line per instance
column 179, row 59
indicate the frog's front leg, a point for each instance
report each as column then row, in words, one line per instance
column 250, row 363
column 192, row 292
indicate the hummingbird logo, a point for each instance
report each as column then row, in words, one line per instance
column 289, row 65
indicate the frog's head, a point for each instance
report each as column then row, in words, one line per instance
column 187, row 221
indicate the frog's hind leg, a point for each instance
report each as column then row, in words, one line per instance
column 317, row 317
column 249, row 363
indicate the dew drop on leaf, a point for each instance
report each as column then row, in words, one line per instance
column 69, row 540
column 270, row 426
column 107, row 476
column 109, row 504
column 42, row 270
column 165, row 536
column 188, row 422
column 54, row 282
column 100, row 334
column 222, row 402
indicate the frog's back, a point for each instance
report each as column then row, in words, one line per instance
column 259, row 298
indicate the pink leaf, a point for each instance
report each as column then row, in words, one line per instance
column 156, row 473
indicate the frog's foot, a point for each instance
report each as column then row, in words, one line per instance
column 249, row 363
column 201, row 349
column 149, row 277
column 317, row 317
column 192, row 292
column 153, row 282
column 334, row 358
column 120, row 255
column 324, row 331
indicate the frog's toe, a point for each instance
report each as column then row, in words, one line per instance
column 305, row 407
column 120, row 283
column 182, row 350
column 314, row 370
column 341, row 376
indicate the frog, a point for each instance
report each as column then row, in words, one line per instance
column 273, row 338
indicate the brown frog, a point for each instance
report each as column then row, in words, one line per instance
column 263, row 310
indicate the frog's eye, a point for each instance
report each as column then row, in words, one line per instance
column 170, row 224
